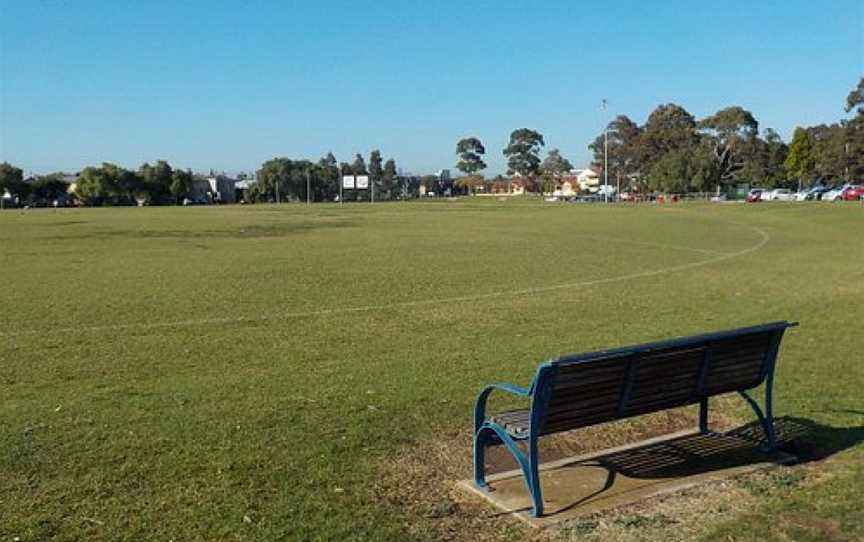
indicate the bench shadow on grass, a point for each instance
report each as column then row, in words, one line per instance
column 690, row 455
column 695, row 454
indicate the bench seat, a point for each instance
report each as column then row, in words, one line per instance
column 515, row 422
column 587, row 389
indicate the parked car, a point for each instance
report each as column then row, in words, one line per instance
column 755, row 195
column 854, row 193
column 836, row 193
column 807, row 194
column 778, row 194
column 816, row 193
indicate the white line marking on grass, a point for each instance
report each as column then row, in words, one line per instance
column 650, row 244
column 720, row 257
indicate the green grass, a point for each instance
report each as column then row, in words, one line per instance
column 245, row 373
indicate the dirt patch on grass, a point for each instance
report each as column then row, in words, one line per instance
column 685, row 515
column 421, row 480
column 421, row 483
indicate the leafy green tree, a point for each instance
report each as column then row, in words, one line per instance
column 274, row 179
column 94, row 185
column 682, row 170
column 776, row 152
column 853, row 151
column 49, row 187
column 856, row 98
column 390, row 178
column 470, row 151
column 358, row 167
column 376, row 173
column 853, row 148
column 622, row 150
column 327, row 179
column 762, row 160
column 523, row 153
column 554, row 166
column 800, row 164
column 125, row 185
column 669, row 127
column 828, row 150
column 731, row 124
column 155, row 181
column 181, row 183
column 11, row 179
column 732, row 132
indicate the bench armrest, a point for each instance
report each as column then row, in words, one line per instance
column 480, row 405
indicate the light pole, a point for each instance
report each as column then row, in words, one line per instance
column 308, row 187
column 846, row 160
column 605, row 156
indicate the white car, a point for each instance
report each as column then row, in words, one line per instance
column 778, row 194
column 836, row 193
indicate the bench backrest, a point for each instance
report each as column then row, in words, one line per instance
column 582, row 390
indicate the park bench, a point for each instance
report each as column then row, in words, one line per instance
column 586, row 389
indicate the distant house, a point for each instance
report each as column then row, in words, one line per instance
column 439, row 184
column 513, row 186
column 587, row 179
column 213, row 189
column 566, row 187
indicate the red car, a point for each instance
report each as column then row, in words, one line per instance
column 755, row 195
column 853, row 193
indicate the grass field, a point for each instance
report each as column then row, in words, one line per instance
column 252, row 373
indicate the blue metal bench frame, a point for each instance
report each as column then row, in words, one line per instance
column 487, row 431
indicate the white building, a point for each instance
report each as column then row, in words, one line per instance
column 587, row 179
column 219, row 189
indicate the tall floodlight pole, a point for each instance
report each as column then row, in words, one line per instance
column 308, row 188
column 605, row 156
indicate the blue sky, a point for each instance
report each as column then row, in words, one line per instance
column 227, row 85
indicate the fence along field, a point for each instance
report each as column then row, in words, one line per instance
column 249, row 372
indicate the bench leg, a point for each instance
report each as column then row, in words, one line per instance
column 703, row 416
column 766, row 419
column 769, row 413
column 534, row 482
column 529, row 465
column 480, row 460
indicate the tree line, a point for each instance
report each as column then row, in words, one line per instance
column 105, row 184
column 675, row 152
column 831, row 152
column 284, row 179
column 523, row 158
column 279, row 179
column 671, row 152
